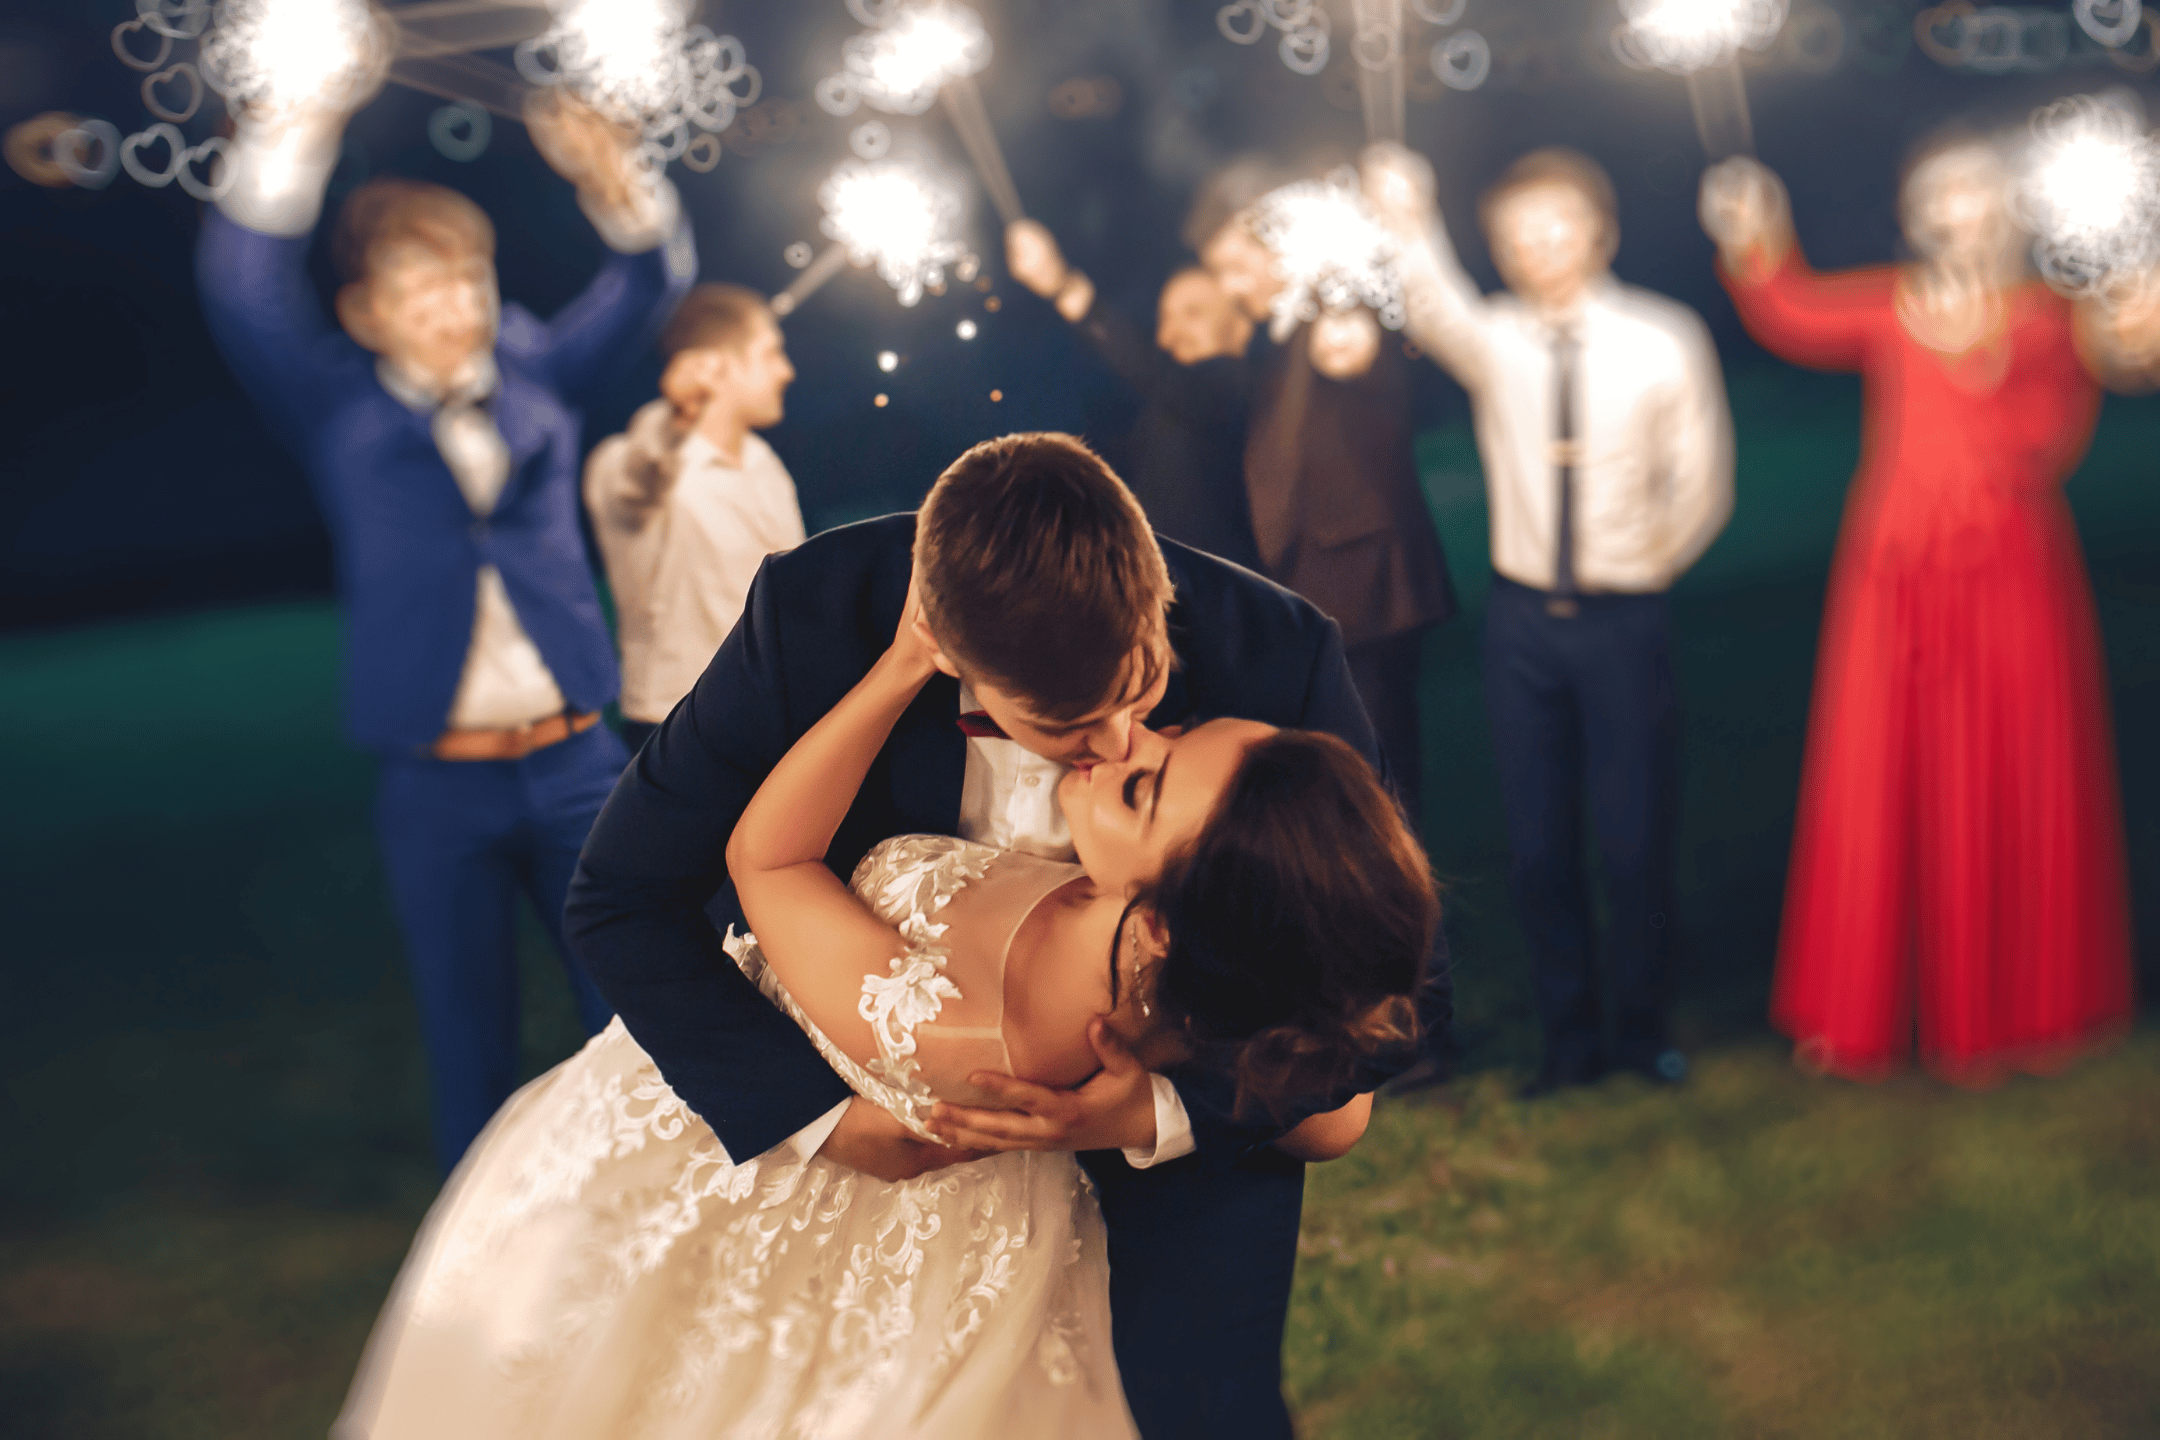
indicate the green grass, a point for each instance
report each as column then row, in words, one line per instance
column 213, row 1141
column 1762, row 1254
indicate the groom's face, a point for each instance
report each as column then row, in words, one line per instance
column 1104, row 734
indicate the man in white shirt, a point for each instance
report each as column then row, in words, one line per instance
column 689, row 501
column 435, row 426
column 1607, row 448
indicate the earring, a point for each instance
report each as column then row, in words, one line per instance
column 1140, row 975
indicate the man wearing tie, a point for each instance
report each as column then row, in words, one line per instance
column 438, row 435
column 1607, row 449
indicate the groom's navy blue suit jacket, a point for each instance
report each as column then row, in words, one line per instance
column 1201, row 1248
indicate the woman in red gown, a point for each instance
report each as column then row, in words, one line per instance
column 1957, row 857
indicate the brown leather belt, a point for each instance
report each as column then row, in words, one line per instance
column 514, row 743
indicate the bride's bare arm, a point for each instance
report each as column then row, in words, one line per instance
column 815, row 933
column 1329, row 1136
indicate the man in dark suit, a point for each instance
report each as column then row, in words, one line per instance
column 1067, row 625
column 438, row 434
column 1333, row 485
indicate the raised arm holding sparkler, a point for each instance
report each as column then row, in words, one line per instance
column 1702, row 40
column 917, row 53
column 436, row 427
column 1607, row 449
column 1958, row 796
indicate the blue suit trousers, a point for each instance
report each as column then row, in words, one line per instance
column 460, row 838
column 1580, row 702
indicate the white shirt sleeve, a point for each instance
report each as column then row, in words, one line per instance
column 1699, row 453
column 1446, row 311
column 1173, row 1128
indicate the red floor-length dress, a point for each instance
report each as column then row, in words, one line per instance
column 1957, row 857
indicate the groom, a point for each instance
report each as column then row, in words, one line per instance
column 1066, row 624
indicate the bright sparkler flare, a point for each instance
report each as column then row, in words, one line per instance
column 911, row 53
column 1330, row 252
column 889, row 214
column 269, row 56
column 642, row 62
column 1684, row 36
column 2091, row 195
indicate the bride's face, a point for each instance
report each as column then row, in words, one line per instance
column 1127, row 816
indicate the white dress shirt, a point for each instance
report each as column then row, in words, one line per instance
column 1654, row 462
column 1008, row 798
column 682, row 534
column 278, row 175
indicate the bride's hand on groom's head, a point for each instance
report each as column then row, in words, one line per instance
column 914, row 650
column 870, row 1139
column 1114, row 1110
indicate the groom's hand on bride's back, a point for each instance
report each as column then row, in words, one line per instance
column 869, row 1138
column 1114, row 1110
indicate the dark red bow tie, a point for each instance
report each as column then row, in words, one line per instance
column 977, row 725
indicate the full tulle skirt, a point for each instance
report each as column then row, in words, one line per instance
column 597, row 1269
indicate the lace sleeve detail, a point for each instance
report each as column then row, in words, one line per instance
column 743, row 950
column 907, row 881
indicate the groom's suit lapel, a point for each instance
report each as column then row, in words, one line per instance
column 925, row 757
column 928, row 755
column 1175, row 707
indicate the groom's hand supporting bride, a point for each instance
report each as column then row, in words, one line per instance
column 1114, row 1110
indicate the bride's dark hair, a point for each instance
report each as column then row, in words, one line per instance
column 1298, row 923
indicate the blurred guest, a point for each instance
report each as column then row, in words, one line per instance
column 689, row 502
column 1337, row 510
column 1607, row 448
column 1188, row 448
column 438, row 434
column 1958, row 853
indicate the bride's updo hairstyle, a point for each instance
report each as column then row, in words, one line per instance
column 1298, row 923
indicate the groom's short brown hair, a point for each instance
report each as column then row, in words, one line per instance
column 1039, row 572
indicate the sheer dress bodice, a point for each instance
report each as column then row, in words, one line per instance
column 939, row 1013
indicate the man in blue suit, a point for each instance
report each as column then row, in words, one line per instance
column 1071, row 647
column 438, row 433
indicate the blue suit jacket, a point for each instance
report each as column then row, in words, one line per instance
column 408, row 546
column 1201, row 1248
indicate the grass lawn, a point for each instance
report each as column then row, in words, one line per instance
column 212, row 1102
column 1763, row 1254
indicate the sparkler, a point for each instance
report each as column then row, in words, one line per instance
column 276, row 56
column 912, row 55
column 641, row 62
column 1330, row 251
column 1702, row 40
column 2091, row 195
column 888, row 214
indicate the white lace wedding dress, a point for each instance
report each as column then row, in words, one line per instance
column 597, row 1269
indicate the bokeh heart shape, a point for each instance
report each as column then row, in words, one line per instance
column 215, row 148
column 461, row 131
column 178, row 114
column 128, row 57
column 131, row 148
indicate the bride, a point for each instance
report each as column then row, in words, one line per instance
column 596, row 1267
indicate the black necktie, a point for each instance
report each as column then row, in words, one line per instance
column 1562, row 601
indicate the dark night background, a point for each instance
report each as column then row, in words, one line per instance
column 137, row 478
column 212, row 1132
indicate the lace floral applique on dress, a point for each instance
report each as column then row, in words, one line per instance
column 905, row 881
